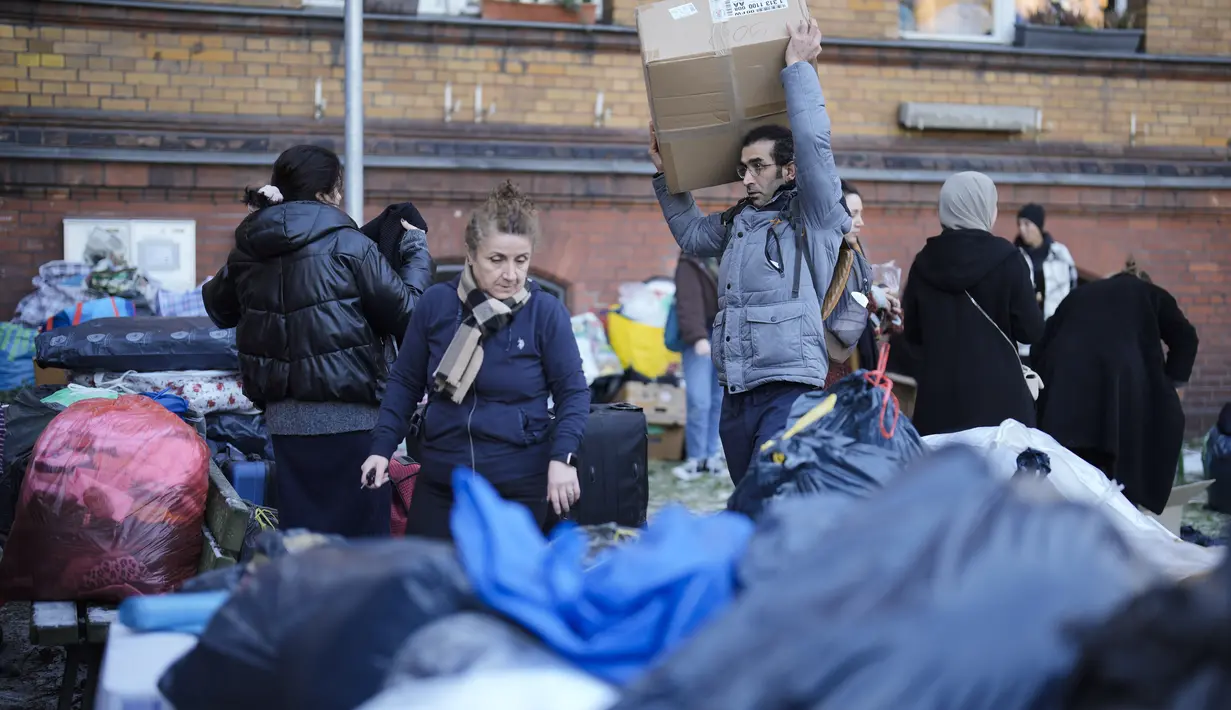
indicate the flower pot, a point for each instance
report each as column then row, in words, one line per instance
column 391, row 7
column 1071, row 39
column 537, row 12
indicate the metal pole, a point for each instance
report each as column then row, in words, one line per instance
column 354, row 109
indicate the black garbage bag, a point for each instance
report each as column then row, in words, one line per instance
column 1167, row 649
column 24, row 421
column 1216, row 459
column 866, row 412
column 261, row 544
column 318, row 630
column 246, row 432
column 833, row 444
column 1033, row 463
column 948, row 590
column 466, row 643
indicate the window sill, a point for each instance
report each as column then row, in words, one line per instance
column 953, row 39
column 974, row 53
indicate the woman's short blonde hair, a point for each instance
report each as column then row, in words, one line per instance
column 507, row 210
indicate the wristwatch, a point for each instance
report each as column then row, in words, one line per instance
column 569, row 460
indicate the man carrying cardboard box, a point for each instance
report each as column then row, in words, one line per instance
column 769, row 335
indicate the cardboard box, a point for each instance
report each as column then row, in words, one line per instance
column 664, row 405
column 666, row 443
column 49, row 375
column 1172, row 516
column 712, row 74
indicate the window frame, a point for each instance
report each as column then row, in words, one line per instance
column 1004, row 17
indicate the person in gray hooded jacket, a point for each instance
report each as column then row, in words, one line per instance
column 769, row 334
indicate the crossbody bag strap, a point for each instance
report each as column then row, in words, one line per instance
column 997, row 327
column 828, row 301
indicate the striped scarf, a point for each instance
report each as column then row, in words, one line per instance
column 485, row 316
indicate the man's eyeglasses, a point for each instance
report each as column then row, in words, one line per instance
column 756, row 168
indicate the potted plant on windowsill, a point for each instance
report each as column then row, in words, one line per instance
column 1057, row 27
column 558, row 11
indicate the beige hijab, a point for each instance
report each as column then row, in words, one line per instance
column 968, row 201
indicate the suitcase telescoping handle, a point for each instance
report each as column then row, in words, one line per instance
column 624, row 407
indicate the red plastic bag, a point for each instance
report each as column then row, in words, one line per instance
column 111, row 506
column 402, row 476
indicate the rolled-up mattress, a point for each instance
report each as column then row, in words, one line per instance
column 140, row 343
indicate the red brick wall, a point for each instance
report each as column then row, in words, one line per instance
column 1179, row 236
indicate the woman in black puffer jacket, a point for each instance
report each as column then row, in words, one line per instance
column 313, row 302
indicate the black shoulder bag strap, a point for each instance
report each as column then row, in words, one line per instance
column 802, row 250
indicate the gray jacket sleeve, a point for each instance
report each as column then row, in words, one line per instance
column 820, row 188
column 696, row 233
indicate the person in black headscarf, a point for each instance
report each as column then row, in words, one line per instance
column 969, row 293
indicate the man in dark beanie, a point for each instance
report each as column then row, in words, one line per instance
column 1051, row 266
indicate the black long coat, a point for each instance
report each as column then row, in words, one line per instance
column 968, row 372
column 1109, row 387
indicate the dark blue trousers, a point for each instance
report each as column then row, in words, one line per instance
column 751, row 418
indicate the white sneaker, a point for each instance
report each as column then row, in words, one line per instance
column 717, row 465
column 690, row 470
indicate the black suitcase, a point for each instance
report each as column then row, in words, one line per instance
column 611, row 467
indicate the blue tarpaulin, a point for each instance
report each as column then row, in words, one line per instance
column 616, row 618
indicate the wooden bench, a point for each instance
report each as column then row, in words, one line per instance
column 81, row 627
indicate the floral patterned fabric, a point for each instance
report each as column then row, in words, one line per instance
column 207, row 391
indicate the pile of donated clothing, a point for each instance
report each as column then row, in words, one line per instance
column 103, row 487
column 186, row 356
column 936, row 578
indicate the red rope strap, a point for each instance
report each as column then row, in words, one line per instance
column 878, row 379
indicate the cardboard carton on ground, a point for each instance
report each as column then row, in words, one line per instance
column 666, row 443
column 664, row 405
column 712, row 74
column 1172, row 516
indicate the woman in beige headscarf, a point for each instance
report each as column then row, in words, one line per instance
column 968, row 301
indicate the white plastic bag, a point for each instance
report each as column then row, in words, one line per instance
column 597, row 357
column 647, row 303
column 519, row 689
column 889, row 276
column 1077, row 480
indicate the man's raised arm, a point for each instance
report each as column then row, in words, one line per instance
column 696, row 232
column 820, row 188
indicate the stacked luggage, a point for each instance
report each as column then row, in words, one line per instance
column 186, row 356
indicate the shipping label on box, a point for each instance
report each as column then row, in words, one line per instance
column 712, row 74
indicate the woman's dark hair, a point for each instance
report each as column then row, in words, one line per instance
column 301, row 173
column 849, row 189
column 1130, row 267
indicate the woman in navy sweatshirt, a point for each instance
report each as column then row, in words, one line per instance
column 489, row 348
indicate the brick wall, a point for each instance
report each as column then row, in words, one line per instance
column 1189, row 27
column 865, row 19
column 119, row 71
column 592, row 247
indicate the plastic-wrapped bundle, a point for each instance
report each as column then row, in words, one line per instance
column 111, row 506
column 465, row 643
column 949, row 590
column 141, row 343
column 848, row 441
column 318, row 630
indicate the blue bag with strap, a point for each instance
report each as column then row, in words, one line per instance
column 111, row 307
column 671, row 331
column 16, row 356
